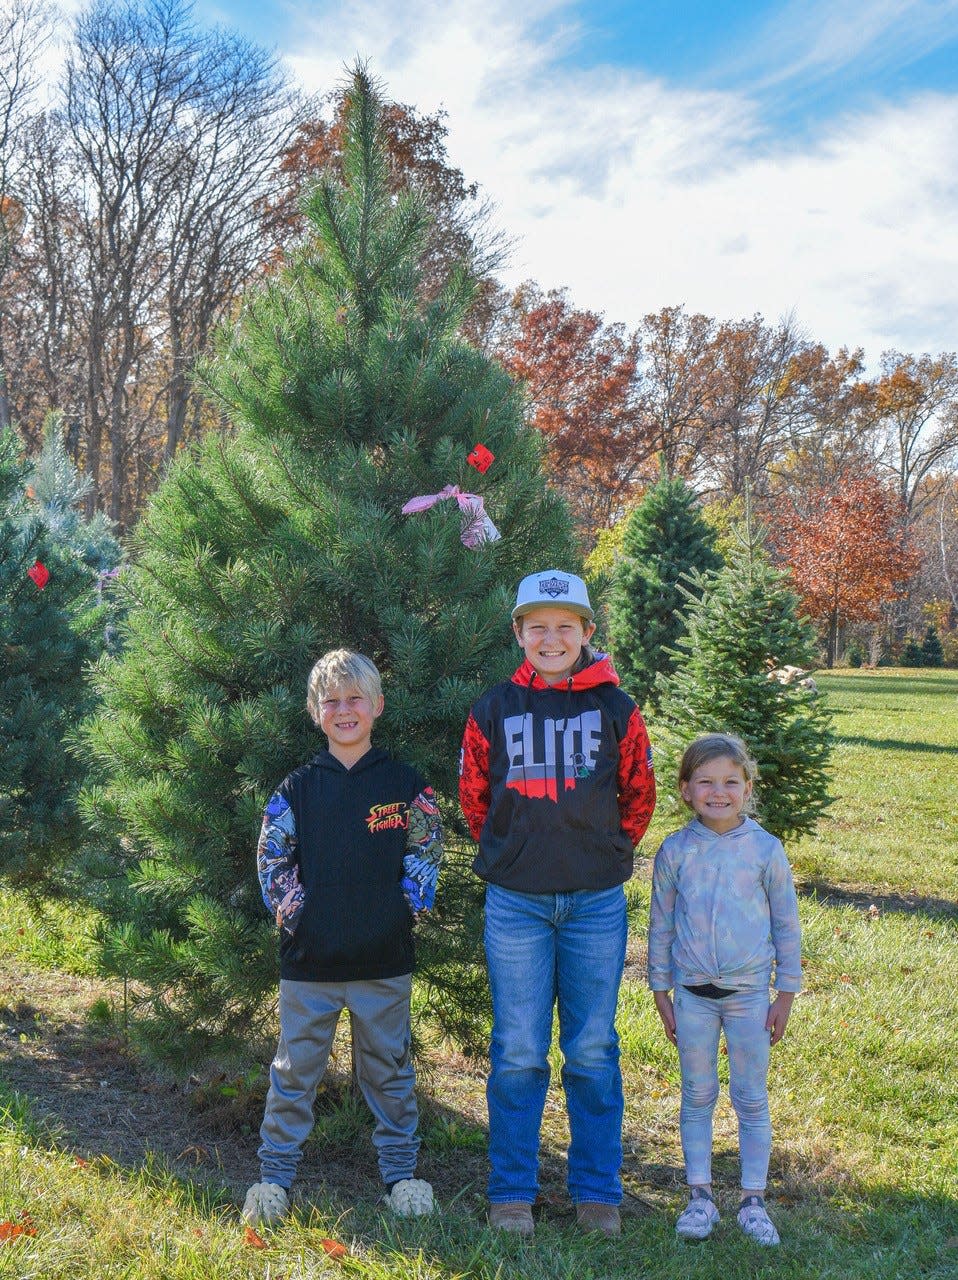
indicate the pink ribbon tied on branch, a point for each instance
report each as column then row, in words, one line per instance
column 476, row 525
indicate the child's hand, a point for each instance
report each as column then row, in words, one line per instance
column 778, row 1013
column 663, row 1003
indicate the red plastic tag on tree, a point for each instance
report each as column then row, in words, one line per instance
column 480, row 458
column 40, row 574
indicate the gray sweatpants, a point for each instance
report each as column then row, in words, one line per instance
column 308, row 1014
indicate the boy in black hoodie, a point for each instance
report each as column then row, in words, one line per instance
column 556, row 784
column 348, row 858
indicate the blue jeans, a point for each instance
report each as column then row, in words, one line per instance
column 698, row 1021
column 543, row 948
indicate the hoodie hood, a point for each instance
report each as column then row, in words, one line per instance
column 326, row 760
column 601, row 671
column 745, row 828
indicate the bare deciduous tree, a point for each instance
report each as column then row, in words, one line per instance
column 25, row 27
column 917, row 400
column 176, row 134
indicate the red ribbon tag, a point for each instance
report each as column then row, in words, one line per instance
column 480, row 458
column 40, row 574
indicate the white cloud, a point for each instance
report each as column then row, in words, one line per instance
column 638, row 195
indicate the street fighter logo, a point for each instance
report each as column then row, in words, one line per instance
column 554, row 753
column 388, row 817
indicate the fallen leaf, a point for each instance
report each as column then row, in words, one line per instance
column 334, row 1249
column 845, row 978
column 194, row 1152
column 254, row 1239
column 81, row 1163
column 11, row 1230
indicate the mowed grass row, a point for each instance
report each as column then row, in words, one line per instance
column 864, row 1087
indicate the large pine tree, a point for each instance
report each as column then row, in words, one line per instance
column 49, row 629
column 280, row 539
column 665, row 541
column 744, row 621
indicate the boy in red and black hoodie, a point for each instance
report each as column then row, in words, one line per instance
column 556, row 784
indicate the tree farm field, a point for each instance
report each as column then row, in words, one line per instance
column 108, row 1170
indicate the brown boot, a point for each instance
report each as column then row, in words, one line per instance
column 513, row 1215
column 598, row 1217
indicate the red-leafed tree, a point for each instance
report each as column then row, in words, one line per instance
column 847, row 551
column 581, row 378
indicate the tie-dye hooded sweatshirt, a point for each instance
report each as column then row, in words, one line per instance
column 723, row 911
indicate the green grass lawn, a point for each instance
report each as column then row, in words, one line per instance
column 864, row 1088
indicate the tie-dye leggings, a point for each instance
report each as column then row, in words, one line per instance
column 698, row 1021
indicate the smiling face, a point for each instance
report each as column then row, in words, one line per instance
column 552, row 638
column 718, row 792
column 346, row 716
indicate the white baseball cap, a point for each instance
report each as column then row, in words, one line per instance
column 553, row 587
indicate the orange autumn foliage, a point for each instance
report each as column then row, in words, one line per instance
column 847, row 551
column 580, row 377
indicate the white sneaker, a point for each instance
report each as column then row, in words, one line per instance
column 755, row 1222
column 697, row 1219
column 265, row 1204
column 411, row 1198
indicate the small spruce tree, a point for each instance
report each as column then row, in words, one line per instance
column 280, row 540
column 666, row 541
column 57, row 487
column 48, row 632
column 932, row 653
column 743, row 622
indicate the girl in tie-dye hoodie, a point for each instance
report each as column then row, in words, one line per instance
column 723, row 913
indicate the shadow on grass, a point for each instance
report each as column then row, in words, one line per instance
column 915, row 682
column 896, row 744
column 908, row 904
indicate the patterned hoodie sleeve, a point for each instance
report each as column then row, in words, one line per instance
column 661, row 922
column 475, row 792
column 785, row 927
column 277, row 864
column 636, row 779
column 424, row 852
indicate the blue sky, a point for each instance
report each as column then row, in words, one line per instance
column 734, row 156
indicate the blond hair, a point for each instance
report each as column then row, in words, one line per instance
column 341, row 669
column 710, row 746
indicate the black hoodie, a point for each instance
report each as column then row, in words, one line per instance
column 352, row 829
column 556, row 781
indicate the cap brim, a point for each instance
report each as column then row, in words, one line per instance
column 580, row 610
